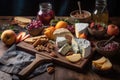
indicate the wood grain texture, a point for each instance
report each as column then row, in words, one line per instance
column 59, row 60
column 62, row 73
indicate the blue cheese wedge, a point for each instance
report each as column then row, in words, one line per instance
column 84, row 47
column 64, row 49
column 80, row 28
column 60, row 41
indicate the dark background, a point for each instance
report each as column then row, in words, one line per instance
column 61, row 7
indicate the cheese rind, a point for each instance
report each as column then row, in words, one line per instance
column 64, row 49
column 80, row 28
column 75, row 46
column 84, row 47
column 62, row 32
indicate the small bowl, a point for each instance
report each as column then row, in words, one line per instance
column 97, row 33
column 84, row 17
column 106, row 53
column 35, row 31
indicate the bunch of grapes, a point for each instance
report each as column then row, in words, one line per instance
column 35, row 24
column 71, row 28
column 111, row 46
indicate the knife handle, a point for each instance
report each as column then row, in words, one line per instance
column 38, row 60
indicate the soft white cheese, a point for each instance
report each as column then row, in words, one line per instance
column 80, row 28
column 60, row 41
column 75, row 46
column 84, row 47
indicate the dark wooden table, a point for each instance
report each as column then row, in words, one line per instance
column 62, row 73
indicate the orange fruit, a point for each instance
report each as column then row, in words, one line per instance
column 49, row 32
column 83, row 35
column 61, row 24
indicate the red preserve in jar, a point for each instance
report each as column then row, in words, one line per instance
column 45, row 13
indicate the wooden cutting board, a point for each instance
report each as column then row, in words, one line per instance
column 60, row 60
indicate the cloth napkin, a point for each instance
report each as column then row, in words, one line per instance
column 13, row 61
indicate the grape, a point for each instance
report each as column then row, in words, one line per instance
column 71, row 28
column 110, row 46
column 35, row 24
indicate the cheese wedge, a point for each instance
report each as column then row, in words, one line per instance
column 100, row 61
column 107, row 65
column 73, row 57
column 62, row 32
column 80, row 28
column 102, row 64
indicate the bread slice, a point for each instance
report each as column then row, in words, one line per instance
column 22, row 20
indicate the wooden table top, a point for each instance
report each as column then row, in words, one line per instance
column 62, row 73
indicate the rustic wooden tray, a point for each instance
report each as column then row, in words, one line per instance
column 61, row 60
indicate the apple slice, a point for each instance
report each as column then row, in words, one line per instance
column 20, row 36
column 25, row 37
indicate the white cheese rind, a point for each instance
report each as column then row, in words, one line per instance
column 60, row 41
column 80, row 28
column 75, row 46
column 64, row 49
column 84, row 47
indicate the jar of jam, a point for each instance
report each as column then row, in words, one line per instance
column 45, row 13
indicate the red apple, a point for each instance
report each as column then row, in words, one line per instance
column 112, row 30
column 8, row 37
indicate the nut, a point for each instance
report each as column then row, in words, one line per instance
column 53, row 54
column 50, row 69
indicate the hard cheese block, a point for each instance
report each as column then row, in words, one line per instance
column 80, row 28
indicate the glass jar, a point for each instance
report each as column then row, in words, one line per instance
column 45, row 13
column 100, row 14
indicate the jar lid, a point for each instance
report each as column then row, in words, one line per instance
column 45, row 6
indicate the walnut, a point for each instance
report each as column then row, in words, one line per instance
column 50, row 69
column 50, row 46
column 53, row 54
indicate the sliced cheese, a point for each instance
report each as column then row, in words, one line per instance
column 102, row 64
column 100, row 61
column 64, row 49
column 73, row 57
column 107, row 65
column 80, row 28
